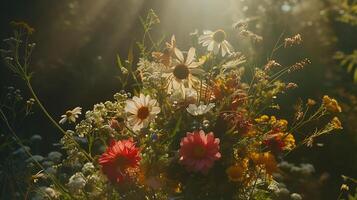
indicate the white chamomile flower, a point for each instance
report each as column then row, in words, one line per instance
column 182, row 71
column 202, row 109
column 215, row 42
column 71, row 115
column 142, row 110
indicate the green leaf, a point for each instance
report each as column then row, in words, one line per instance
column 177, row 127
column 350, row 67
column 119, row 64
column 130, row 55
column 355, row 76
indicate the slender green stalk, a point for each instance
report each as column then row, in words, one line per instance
column 88, row 157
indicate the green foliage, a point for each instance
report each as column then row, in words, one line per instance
column 348, row 60
column 347, row 11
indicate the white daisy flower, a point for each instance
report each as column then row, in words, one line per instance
column 182, row 71
column 202, row 109
column 71, row 115
column 215, row 42
column 142, row 110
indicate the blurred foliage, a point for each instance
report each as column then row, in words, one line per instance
column 347, row 13
column 349, row 61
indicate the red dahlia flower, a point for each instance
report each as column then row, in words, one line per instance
column 118, row 158
column 199, row 151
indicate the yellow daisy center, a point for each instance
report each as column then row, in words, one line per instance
column 143, row 112
column 181, row 71
column 219, row 36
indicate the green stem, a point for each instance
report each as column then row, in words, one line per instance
column 88, row 157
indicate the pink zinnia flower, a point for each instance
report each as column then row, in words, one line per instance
column 118, row 158
column 199, row 151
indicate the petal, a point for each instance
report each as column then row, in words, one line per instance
column 179, row 55
column 205, row 39
column 190, row 56
column 207, row 32
column 63, row 120
column 197, row 71
column 223, row 50
column 152, row 102
column 131, row 107
column 155, row 110
column 229, row 46
column 215, row 48
column 147, row 100
column 211, row 46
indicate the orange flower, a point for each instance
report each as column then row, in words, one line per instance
column 336, row 123
column 165, row 57
column 331, row 104
column 236, row 172
column 266, row 160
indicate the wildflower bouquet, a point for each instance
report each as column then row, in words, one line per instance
column 195, row 125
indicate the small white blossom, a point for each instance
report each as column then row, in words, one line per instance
column 215, row 42
column 45, row 193
column 71, row 115
column 76, row 182
column 88, row 168
column 189, row 97
column 195, row 110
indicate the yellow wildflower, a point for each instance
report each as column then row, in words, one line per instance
column 281, row 124
column 265, row 159
column 289, row 142
column 262, row 119
column 344, row 187
column 236, row 172
column 331, row 104
column 311, row 102
column 178, row 188
column 336, row 123
column 272, row 120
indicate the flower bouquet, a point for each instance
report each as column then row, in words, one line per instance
column 197, row 123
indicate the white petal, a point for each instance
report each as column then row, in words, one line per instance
column 147, row 100
column 155, row 110
column 197, row 71
column 207, row 32
column 179, row 55
column 142, row 99
column 211, row 46
column 228, row 46
column 190, row 55
column 137, row 101
column 223, row 50
column 204, row 38
column 216, row 48
column 152, row 102
column 206, row 42
column 130, row 107
column 63, row 120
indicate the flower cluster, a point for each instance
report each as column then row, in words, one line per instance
column 194, row 126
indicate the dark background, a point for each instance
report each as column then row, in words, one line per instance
column 77, row 43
